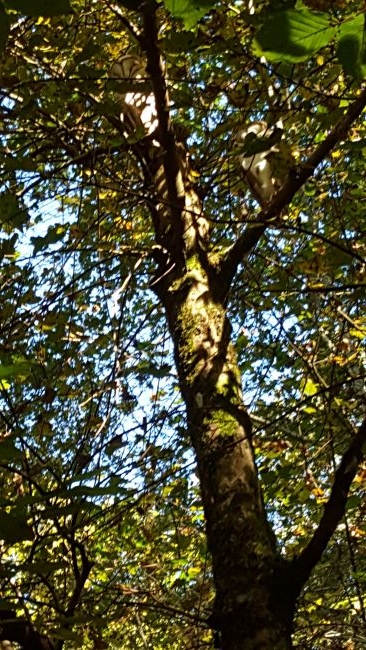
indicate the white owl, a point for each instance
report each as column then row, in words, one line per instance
column 137, row 108
column 257, row 169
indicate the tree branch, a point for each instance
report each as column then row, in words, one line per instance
column 335, row 507
column 171, row 158
column 131, row 28
column 296, row 178
column 80, row 580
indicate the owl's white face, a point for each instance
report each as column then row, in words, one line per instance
column 142, row 105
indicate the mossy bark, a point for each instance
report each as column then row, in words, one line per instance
column 240, row 540
column 192, row 284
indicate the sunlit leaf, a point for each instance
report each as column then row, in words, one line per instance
column 68, row 635
column 293, row 35
column 190, row 11
column 19, row 369
column 310, row 388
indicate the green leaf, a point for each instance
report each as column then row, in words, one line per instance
column 4, row 27
column 8, row 451
column 85, row 490
column 351, row 48
column 254, row 144
column 18, row 369
column 7, row 246
column 293, row 35
column 54, row 234
column 353, row 501
column 43, row 566
column 190, row 11
column 40, row 7
column 12, row 215
column 183, row 41
column 19, row 162
column 14, row 529
column 67, row 635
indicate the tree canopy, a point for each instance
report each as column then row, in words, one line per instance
column 182, row 359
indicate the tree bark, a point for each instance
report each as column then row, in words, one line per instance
column 240, row 540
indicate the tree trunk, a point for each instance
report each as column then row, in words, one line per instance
column 248, row 613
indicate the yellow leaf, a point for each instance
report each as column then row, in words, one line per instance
column 357, row 532
column 317, row 492
column 358, row 333
column 309, row 387
column 43, row 20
